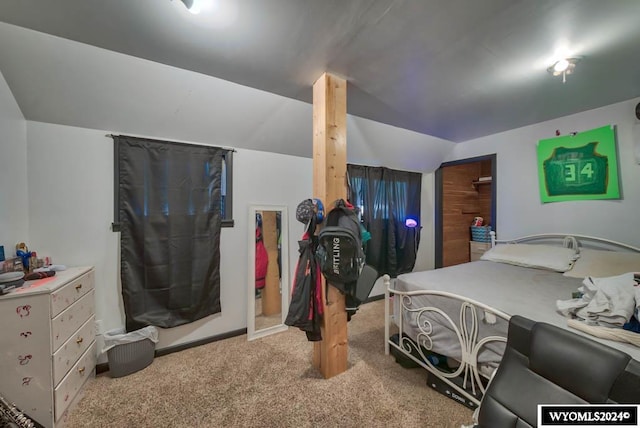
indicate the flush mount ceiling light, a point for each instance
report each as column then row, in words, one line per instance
column 192, row 6
column 563, row 67
column 197, row 6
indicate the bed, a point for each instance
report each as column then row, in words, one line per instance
column 462, row 312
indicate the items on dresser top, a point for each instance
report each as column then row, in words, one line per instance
column 7, row 287
column 10, row 276
column 39, row 275
column 48, row 344
column 51, row 268
column 12, row 264
column 10, row 281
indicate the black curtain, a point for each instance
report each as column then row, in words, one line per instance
column 387, row 198
column 169, row 212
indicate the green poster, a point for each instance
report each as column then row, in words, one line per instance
column 578, row 167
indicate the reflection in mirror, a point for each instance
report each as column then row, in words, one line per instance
column 268, row 288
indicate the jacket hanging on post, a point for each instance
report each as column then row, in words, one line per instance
column 262, row 260
column 305, row 309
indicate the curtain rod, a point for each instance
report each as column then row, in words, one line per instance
column 231, row 149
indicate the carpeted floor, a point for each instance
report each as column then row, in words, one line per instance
column 265, row 321
column 271, row 382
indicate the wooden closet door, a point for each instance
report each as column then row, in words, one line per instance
column 460, row 198
column 460, row 204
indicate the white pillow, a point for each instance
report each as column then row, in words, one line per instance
column 601, row 264
column 541, row 256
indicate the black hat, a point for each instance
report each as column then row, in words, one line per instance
column 305, row 211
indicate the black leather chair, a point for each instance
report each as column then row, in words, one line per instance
column 544, row 364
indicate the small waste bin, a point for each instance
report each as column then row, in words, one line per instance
column 129, row 352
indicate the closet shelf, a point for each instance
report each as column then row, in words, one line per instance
column 475, row 184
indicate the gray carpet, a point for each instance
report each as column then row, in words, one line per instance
column 265, row 321
column 271, row 382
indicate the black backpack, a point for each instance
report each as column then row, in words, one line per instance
column 340, row 252
column 341, row 256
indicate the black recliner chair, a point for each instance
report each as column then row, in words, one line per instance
column 544, row 364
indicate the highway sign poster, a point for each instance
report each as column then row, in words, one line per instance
column 580, row 166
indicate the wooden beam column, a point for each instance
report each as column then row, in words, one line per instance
column 329, row 175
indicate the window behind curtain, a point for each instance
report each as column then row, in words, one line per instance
column 170, row 209
column 386, row 198
column 226, row 189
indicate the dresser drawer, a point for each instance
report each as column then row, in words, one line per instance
column 72, row 383
column 74, row 290
column 70, row 351
column 65, row 324
column 25, row 356
column 21, row 321
column 47, row 344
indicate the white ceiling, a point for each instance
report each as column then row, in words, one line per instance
column 453, row 69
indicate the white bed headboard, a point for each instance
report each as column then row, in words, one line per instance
column 567, row 239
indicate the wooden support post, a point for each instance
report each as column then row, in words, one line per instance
column 271, row 297
column 329, row 175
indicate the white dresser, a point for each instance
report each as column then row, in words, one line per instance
column 47, row 343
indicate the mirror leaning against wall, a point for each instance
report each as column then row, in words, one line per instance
column 268, row 270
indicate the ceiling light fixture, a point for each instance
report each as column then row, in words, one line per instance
column 563, row 67
column 190, row 8
column 197, row 6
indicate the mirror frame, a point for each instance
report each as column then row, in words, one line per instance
column 252, row 333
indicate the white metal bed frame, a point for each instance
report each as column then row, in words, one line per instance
column 466, row 330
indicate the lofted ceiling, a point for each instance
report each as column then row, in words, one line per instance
column 452, row 69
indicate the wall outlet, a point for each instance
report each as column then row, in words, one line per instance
column 98, row 328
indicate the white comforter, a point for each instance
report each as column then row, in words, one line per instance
column 607, row 302
column 515, row 290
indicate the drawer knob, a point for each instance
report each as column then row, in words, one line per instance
column 81, row 370
column 78, row 287
column 79, row 340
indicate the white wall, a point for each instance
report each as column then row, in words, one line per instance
column 71, row 207
column 425, row 258
column 71, row 211
column 55, row 81
column 376, row 144
column 72, row 165
column 13, row 173
column 519, row 208
column 69, row 164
